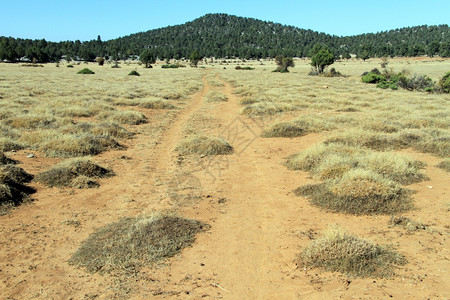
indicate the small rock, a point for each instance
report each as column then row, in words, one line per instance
column 31, row 155
column 429, row 186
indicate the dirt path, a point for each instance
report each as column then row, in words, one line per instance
column 250, row 251
column 257, row 225
column 256, row 234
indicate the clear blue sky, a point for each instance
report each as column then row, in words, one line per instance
column 85, row 20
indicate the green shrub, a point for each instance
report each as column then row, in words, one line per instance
column 373, row 78
column 416, row 83
column 244, row 68
column 70, row 66
column 444, row 83
column 172, row 66
column 85, row 71
column 339, row 251
column 134, row 73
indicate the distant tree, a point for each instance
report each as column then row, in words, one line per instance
column 346, row 55
column 195, row 58
column 444, row 50
column 100, row 61
column 147, row 58
column 283, row 63
column 321, row 57
column 433, row 49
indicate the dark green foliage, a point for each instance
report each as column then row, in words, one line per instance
column 195, row 58
column 85, row 71
column 173, row 66
column 147, row 57
column 244, row 38
column 244, row 68
column 283, row 63
column 133, row 243
column 372, row 78
column 321, row 57
column 444, row 83
column 100, row 61
column 417, row 82
column 70, row 66
column 134, row 73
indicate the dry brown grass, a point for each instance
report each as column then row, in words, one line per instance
column 78, row 173
column 13, row 188
column 339, row 251
column 45, row 109
column 203, row 145
column 131, row 243
column 445, row 164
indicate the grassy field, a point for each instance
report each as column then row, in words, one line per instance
column 362, row 154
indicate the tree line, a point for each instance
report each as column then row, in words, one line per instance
column 226, row 36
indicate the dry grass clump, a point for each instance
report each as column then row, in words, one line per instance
column 339, row 251
column 382, row 126
column 266, row 108
column 311, row 158
column 407, row 223
column 203, row 145
column 396, row 167
column 445, row 164
column 216, row 97
column 79, row 173
column 358, row 192
column 132, row 243
column 66, row 145
column 12, row 185
column 150, row 103
column 437, row 144
column 357, row 137
column 129, row 117
column 4, row 160
column 31, row 121
column 156, row 104
column 8, row 144
column 298, row 127
column 109, row 129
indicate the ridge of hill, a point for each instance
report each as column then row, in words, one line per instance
column 223, row 35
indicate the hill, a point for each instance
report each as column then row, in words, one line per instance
column 222, row 35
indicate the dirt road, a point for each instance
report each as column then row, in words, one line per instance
column 257, row 225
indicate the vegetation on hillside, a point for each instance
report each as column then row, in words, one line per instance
column 222, row 35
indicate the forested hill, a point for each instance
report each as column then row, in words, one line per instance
column 222, row 35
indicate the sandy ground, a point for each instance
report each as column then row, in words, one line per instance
column 258, row 226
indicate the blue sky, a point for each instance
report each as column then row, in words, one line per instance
column 85, row 20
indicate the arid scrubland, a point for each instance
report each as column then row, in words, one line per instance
column 360, row 157
column 63, row 114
